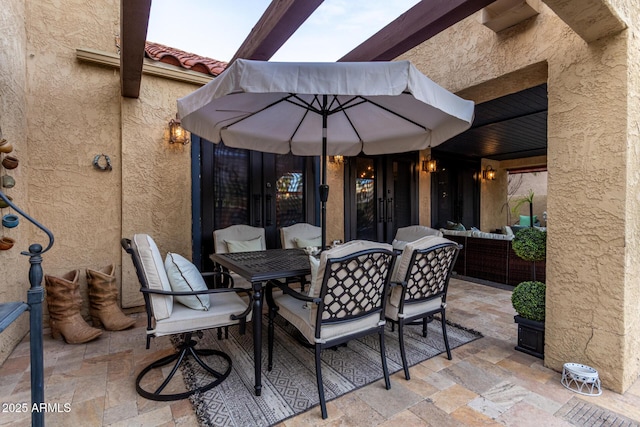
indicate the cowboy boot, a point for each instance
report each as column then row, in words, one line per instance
column 64, row 302
column 103, row 298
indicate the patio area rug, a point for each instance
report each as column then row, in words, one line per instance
column 290, row 388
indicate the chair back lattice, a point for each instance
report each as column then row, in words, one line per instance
column 429, row 272
column 355, row 286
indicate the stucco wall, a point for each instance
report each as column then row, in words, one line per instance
column 590, row 290
column 156, row 176
column 13, row 122
column 494, row 213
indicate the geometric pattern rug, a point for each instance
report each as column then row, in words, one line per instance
column 290, row 387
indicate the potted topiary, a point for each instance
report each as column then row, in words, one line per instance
column 528, row 298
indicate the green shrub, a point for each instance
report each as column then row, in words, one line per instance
column 530, row 244
column 528, row 299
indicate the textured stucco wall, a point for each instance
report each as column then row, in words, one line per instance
column 73, row 114
column 13, row 122
column 156, row 176
column 494, row 213
column 592, row 282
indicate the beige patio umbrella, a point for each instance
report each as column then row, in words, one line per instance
column 321, row 109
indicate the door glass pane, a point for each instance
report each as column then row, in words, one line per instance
column 365, row 199
column 231, row 186
column 289, row 190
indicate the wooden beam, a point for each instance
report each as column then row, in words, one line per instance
column 420, row 23
column 134, row 20
column 281, row 19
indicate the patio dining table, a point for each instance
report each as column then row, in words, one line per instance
column 258, row 268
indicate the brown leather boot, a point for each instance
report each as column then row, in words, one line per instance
column 103, row 299
column 64, row 302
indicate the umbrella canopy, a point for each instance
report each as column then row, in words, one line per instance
column 320, row 109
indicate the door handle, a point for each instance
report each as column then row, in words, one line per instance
column 381, row 214
column 257, row 209
column 389, row 209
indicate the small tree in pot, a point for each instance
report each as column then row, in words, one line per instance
column 528, row 298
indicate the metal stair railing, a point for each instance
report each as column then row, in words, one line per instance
column 10, row 311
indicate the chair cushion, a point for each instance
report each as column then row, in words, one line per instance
column 156, row 275
column 402, row 265
column 315, row 242
column 238, row 232
column 392, row 311
column 184, row 319
column 295, row 312
column 300, row 230
column 245, row 245
column 314, row 263
column 525, row 220
column 414, row 232
column 185, row 277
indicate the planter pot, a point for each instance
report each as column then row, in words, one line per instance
column 8, row 181
column 5, row 146
column 6, row 243
column 10, row 162
column 10, row 221
column 4, row 204
column 530, row 336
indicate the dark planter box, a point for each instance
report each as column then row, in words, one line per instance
column 530, row 336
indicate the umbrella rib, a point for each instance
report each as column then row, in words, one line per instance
column 396, row 114
column 253, row 113
column 343, row 109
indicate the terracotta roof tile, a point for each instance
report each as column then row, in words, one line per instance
column 180, row 58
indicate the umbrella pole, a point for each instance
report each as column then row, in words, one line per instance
column 324, row 188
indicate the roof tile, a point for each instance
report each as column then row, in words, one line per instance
column 180, row 58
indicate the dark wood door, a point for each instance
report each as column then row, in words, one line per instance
column 455, row 193
column 380, row 196
column 238, row 186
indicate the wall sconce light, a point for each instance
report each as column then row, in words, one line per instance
column 489, row 173
column 177, row 134
column 429, row 165
column 337, row 159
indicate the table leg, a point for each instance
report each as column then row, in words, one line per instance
column 257, row 336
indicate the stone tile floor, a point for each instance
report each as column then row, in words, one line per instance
column 487, row 383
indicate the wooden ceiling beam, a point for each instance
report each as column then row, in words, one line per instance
column 279, row 21
column 134, row 21
column 418, row 24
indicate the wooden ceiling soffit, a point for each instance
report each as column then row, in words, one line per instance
column 134, row 20
column 418, row 24
column 279, row 21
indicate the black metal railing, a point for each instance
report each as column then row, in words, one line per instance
column 10, row 311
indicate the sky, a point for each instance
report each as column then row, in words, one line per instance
column 217, row 28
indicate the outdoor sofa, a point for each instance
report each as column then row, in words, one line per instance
column 490, row 256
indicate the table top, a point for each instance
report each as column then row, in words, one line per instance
column 260, row 266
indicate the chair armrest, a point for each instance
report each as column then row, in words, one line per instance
column 224, row 275
column 297, row 295
column 402, row 283
column 204, row 291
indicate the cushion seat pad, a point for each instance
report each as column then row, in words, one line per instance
column 185, row 319
column 297, row 314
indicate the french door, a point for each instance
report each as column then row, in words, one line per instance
column 249, row 187
column 380, row 196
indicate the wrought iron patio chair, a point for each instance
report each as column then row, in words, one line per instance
column 345, row 301
column 238, row 238
column 165, row 316
column 419, row 287
column 300, row 235
column 411, row 234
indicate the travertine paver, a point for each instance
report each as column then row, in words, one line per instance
column 487, row 383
